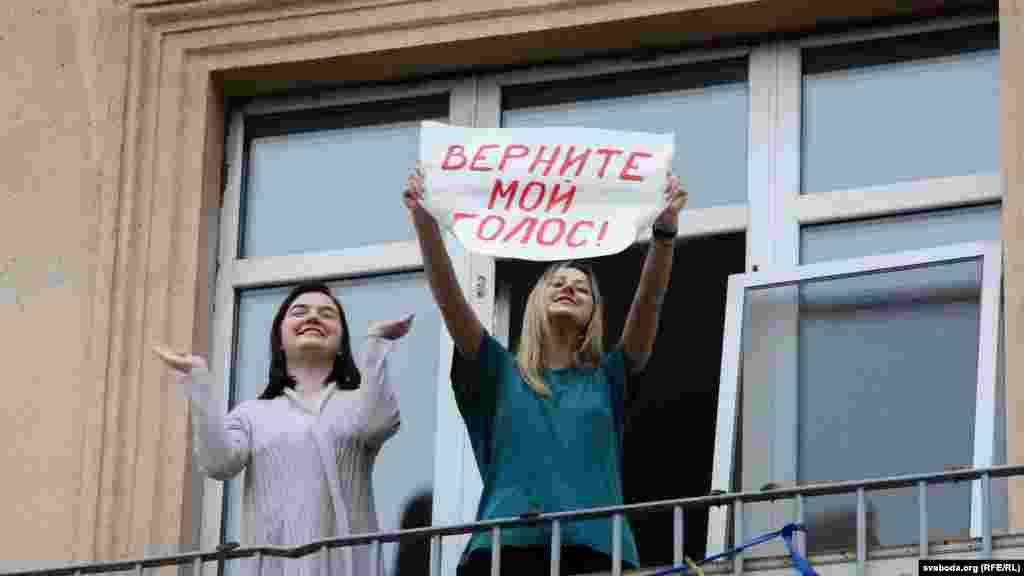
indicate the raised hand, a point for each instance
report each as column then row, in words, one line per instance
column 675, row 200
column 392, row 330
column 179, row 361
column 412, row 196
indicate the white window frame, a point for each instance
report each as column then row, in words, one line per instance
column 778, row 207
column 990, row 255
column 234, row 274
column 882, row 200
column 771, row 218
column 778, row 211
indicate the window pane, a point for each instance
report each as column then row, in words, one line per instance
column 903, row 109
column 889, row 361
column 405, row 467
column 914, row 232
column 705, row 105
column 859, row 238
column 328, row 180
column 885, row 360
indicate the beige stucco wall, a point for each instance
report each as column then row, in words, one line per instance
column 60, row 129
column 1011, row 39
column 112, row 139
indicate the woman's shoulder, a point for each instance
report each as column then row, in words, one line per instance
column 492, row 352
column 617, row 363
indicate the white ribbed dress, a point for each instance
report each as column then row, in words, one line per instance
column 308, row 467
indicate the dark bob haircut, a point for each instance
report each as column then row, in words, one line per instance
column 344, row 373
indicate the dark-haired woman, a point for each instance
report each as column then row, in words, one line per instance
column 309, row 442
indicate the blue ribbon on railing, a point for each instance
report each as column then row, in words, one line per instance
column 786, row 534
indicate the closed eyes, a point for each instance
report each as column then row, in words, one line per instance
column 301, row 310
column 579, row 285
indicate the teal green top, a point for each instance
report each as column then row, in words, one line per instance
column 539, row 454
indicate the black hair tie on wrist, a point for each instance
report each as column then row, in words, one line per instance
column 662, row 234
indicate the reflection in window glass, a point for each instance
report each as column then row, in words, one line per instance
column 902, row 109
column 405, row 467
column 938, row 330
column 887, row 385
column 929, row 335
column 705, row 105
column 886, row 375
column 326, row 181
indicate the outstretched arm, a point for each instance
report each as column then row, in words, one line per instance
column 459, row 317
column 221, row 441
column 642, row 322
column 377, row 415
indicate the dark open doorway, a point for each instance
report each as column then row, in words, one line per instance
column 670, row 411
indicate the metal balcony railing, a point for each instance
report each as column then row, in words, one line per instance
column 736, row 500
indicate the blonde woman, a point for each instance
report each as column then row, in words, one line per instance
column 546, row 424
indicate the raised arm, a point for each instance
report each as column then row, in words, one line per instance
column 459, row 317
column 222, row 441
column 642, row 321
column 377, row 414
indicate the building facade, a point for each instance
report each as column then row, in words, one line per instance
column 220, row 151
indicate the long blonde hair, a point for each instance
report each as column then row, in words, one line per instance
column 536, row 327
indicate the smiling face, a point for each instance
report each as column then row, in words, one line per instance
column 564, row 303
column 311, row 327
column 568, row 296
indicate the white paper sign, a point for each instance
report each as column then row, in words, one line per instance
column 544, row 193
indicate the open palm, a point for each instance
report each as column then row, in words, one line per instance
column 179, row 361
column 675, row 200
column 392, row 330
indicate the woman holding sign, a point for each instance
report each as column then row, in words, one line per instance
column 309, row 442
column 546, row 423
